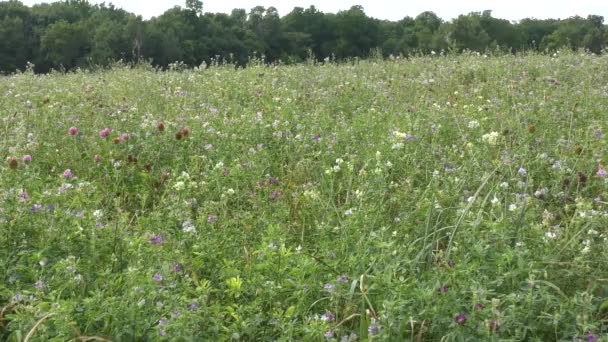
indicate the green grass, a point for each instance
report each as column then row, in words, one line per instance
column 376, row 200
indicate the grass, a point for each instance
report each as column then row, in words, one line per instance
column 433, row 198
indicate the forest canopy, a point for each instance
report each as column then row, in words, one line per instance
column 75, row 33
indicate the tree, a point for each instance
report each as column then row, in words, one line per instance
column 195, row 6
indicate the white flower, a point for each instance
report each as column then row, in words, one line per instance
column 494, row 200
column 550, row 235
column 188, row 227
column 473, row 124
column 504, row 185
column 348, row 212
column 491, row 138
column 179, row 186
column 230, row 191
column 512, row 207
column 98, row 213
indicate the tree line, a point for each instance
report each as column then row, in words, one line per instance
column 74, row 33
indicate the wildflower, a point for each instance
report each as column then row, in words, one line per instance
column 443, row 289
column 601, row 172
column 104, row 132
column 17, row 298
column 550, row 235
column 329, row 334
column 479, row 306
column 460, row 318
column 124, row 136
column 328, row 317
column 157, row 277
column 12, row 162
column 194, row 306
column 27, row 158
column 274, row 195
column 373, row 329
column 188, row 227
column 491, row 138
column 23, row 196
column 473, row 124
column 591, row 337
column 176, row 267
column 329, row 287
column 40, row 285
column 36, row 207
column 343, row 279
column 522, row 171
column 68, row 173
column 211, row 218
column 73, row 130
column 156, row 239
column 97, row 158
column 262, row 184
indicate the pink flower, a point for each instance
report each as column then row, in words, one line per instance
column 27, row 158
column 97, row 158
column 73, row 131
column 68, row 173
column 601, row 172
column 104, row 132
column 124, row 136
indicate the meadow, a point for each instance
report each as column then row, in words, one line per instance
column 452, row 198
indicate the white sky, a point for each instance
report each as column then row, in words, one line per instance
column 387, row 9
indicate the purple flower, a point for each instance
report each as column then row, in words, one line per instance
column 68, row 173
column 124, row 136
column 36, row 207
column 176, row 267
column 17, row 298
column 591, row 337
column 23, row 196
column 343, row 279
column 479, row 306
column 274, row 195
column 157, row 277
column 156, row 239
column 176, row 313
column 273, row 180
column 329, row 287
column 316, row 137
column 211, row 218
column 601, row 172
column 522, row 171
column 373, row 329
column 328, row 317
column 443, row 289
column 329, row 334
column 262, row 184
column 162, row 321
column 194, row 306
column 460, row 318
column 104, row 132
column 27, row 158
column 73, row 131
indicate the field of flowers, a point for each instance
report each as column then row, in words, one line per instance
column 433, row 198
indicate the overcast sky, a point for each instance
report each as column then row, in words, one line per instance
column 387, row 9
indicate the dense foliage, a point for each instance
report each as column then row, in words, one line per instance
column 438, row 198
column 74, row 33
